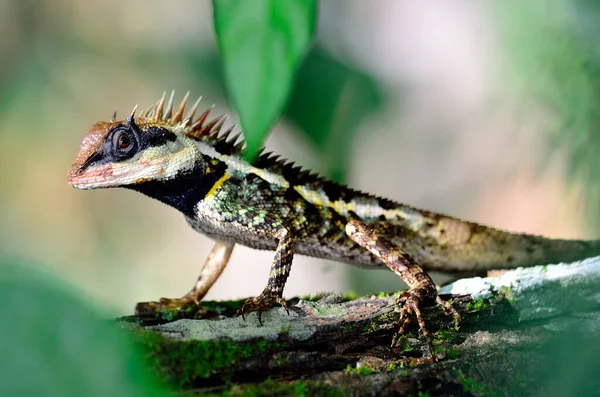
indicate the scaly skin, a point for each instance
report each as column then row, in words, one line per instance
column 190, row 165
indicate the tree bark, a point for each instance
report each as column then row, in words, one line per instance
column 527, row 332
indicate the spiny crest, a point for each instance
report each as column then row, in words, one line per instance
column 210, row 132
column 200, row 128
column 275, row 163
column 224, row 142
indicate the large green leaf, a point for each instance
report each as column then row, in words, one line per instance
column 262, row 43
column 54, row 344
column 330, row 100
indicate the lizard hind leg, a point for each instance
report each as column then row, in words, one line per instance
column 421, row 287
column 211, row 270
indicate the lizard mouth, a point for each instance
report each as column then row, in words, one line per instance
column 115, row 174
column 96, row 177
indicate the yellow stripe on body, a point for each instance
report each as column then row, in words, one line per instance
column 217, row 185
column 364, row 207
column 238, row 164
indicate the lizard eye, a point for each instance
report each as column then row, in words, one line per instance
column 123, row 143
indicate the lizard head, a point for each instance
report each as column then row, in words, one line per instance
column 157, row 146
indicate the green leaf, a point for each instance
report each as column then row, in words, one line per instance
column 262, row 43
column 54, row 344
column 329, row 102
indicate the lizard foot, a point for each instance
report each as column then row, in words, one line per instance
column 411, row 301
column 164, row 304
column 260, row 304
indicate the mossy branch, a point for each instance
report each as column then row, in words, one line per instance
column 510, row 340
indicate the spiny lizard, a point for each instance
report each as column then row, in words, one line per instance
column 189, row 164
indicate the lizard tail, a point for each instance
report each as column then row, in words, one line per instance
column 530, row 250
column 502, row 250
column 472, row 247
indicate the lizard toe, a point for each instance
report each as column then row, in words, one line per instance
column 262, row 303
column 153, row 307
column 411, row 302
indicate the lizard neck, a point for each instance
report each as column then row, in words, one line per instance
column 187, row 189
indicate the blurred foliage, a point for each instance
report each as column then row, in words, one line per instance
column 262, row 43
column 556, row 55
column 54, row 344
column 575, row 365
column 329, row 101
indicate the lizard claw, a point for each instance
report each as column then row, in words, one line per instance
column 449, row 310
column 412, row 300
column 260, row 304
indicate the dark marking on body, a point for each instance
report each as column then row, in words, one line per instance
column 185, row 192
column 156, row 136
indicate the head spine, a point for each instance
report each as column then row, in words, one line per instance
column 197, row 129
column 131, row 120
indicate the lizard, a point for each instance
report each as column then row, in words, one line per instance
column 195, row 166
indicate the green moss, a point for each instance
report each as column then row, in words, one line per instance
column 172, row 314
column 186, row 362
column 362, row 370
column 349, row 296
column 206, row 309
column 279, row 360
column 403, row 344
column 345, row 297
column 225, row 308
column 477, row 304
column 395, row 365
column 296, row 388
column 374, row 324
column 506, row 293
column 443, row 336
column 326, row 310
column 470, row 385
column 452, row 353
column 312, row 298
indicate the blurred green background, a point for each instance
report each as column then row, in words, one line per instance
column 483, row 110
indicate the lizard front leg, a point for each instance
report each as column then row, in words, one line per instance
column 421, row 287
column 210, row 272
column 280, row 270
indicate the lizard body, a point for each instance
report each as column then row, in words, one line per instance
column 272, row 204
